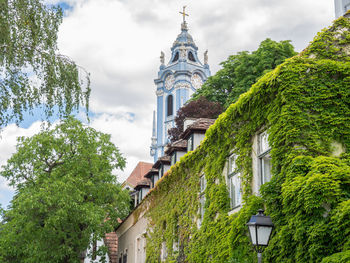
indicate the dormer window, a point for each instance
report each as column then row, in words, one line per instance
column 161, row 171
column 176, row 57
column 190, row 143
column 346, row 8
column 191, row 57
column 154, row 179
column 139, row 196
column 173, row 158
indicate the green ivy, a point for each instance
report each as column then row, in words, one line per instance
column 305, row 105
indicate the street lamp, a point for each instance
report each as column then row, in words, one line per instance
column 260, row 229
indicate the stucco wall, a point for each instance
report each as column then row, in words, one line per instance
column 128, row 233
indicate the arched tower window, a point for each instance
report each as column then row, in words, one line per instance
column 169, row 105
column 191, row 57
column 176, row 57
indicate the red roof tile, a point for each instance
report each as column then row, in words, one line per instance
column 137, row 175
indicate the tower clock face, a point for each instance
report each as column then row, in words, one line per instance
column 169, row 82
column 196, row 81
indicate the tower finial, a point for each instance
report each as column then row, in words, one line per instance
column 183, row 13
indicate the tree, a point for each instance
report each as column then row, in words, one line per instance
column 242, row 70
column 65, row 191
column 32, row 72
column 199, row 108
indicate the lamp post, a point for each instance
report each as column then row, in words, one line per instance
column 260, row 229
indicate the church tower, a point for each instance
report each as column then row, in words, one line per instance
column 176, row 82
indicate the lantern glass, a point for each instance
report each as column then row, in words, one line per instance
column 264, row 233
column 252, row 233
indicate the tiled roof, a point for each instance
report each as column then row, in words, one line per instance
column 138, row 173
column 200, row 125
column 151, row 172
column 179, row 145
column 143, row 182
column 164, row 159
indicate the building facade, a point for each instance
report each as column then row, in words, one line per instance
column 283, row 146
column 176, row 82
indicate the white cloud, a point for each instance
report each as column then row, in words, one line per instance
column 130, row 135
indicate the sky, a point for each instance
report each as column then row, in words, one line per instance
column 119, row 43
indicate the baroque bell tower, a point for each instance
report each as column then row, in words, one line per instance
column 177, row 81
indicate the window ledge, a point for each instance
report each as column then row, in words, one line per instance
column 234, row 210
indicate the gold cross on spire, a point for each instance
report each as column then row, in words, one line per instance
column 184, row 14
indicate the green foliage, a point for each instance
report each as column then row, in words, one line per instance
column 65, row 189
column 304, row 105
column 198, row 108
column 32, row 72
column 242, row 70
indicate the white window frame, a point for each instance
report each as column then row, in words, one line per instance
column 163, row 252
column 346, row 8
column 140, row 195
column 190, row 144
column 234, row 182
column 264, row 157
column 177, row 240
column 173, row 158
column 161, row 171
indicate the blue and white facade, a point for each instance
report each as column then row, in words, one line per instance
column 341, row 7
column 176, row 83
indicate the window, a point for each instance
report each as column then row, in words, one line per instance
column 346, row 8
column 191, row 57
column 161, row 171
column 140, row 248
column 234, row 182
column 163, row 252
column 264, row 158
column 176, row 57
column 140, row 196
column 154, row 179
column 203, row 185
column 177, row 236
column 169, row 105
column 173, row 158
column 190, row 143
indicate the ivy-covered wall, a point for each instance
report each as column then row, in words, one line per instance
column 305, row 106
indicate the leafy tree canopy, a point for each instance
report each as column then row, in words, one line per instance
column 65, row 190
column 32, row 72
column 199, row 108
column 241, row 71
